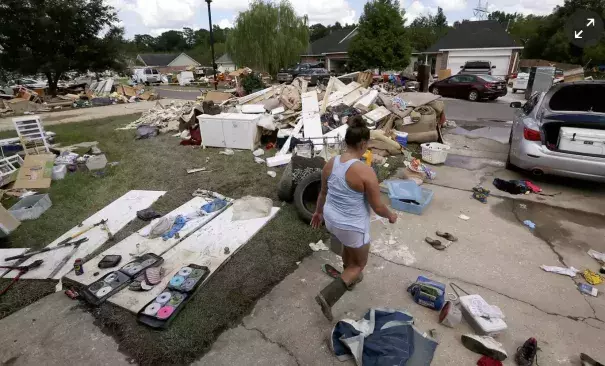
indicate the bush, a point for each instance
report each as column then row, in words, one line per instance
column 252, row 82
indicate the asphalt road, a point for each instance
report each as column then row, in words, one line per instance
column 456, row 109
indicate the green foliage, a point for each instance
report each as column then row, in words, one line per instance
column 381, row 40
column 268, row 36
column 427, row 29
column 252, row 82
column 56, row 36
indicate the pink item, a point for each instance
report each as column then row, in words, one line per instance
column 534, row 188
column 487, row 361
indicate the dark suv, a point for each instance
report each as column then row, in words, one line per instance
column 477, row 67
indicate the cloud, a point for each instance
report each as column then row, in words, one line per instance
column 416, row 9
column 167, row 13
column 225, row 23
column 230, row 5
column 525, row 7
column 326, row 11
column 451, row 5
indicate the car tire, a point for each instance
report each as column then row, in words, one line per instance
column 436, row 91
column 284, row 186
column 473, row 96
column 514, row 91
column 307, row 192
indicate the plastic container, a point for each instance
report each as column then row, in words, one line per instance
column 31, row 207
column 401, row 138
column 481, row 325
column 434, row 152
column 59, row 172
column 407, row 196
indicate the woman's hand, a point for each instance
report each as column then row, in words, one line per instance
column 316, row 220
column 392, row 217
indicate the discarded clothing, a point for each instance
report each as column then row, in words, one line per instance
column 195, row 137
column 571, row 271
column 178, row 224
column 488, row 361
column 157, row 228
column 530, row 224
column 215, row 205
column 383, row 337
column 597, row 255
column 511, row 186
column 146, row 131
column 148, row 214
column 532, row 187
column 592, row 277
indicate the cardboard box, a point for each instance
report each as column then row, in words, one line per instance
column 7, row 222
column 218, row 97
column 36, row 172
column 442, row 74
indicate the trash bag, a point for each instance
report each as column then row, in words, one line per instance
column 250, row 207
column 146, row 131
column 148, row 214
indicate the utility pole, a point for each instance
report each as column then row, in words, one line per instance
column 212, row 44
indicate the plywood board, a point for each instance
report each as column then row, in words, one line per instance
column 205, row 247
column 364, row 103
column 416, row 99
column 5, row 253
column 310, row 116
column 309, row 102
column 377, row 114
column 138, row 245
column 118, row 214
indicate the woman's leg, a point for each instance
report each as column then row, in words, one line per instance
column 357, row 260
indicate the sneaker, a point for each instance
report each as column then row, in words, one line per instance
column 526, row 354
column 484, row 345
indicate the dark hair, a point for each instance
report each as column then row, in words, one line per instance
column 357, row 132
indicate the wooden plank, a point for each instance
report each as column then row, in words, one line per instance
column 310, row 116
column 338, row 84
column 118, row 214
column 205, row 247
column 309, row 102
column 329, row 88
column 136, row 244
column 366, row 101
column 377, row 114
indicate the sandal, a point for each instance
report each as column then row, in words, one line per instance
column 435, row 243
column 446, row 236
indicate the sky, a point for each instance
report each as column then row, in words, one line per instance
column 157, row 16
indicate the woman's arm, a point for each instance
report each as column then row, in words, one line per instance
column 317, row 218
column 372, row 191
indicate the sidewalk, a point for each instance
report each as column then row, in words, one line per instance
column 87, row 114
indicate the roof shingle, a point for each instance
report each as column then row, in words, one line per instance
column 158, row 59
column 331, row 43
column 478, row 34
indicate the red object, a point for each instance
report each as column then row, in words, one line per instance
column 487, row 361
column 534, row 188
column 196, row 137
column 269, row 146
column 531, row 135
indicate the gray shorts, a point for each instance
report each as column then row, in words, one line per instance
column 347, row 238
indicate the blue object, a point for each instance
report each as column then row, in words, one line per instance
column 407, row 196
column 402, row 138
column 529, row 224
column 428, row 293
column 215, row 205
column 179, row 222
column 391, row 340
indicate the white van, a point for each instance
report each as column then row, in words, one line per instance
column 146, row 76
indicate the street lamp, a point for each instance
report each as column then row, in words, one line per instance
column 212, row 44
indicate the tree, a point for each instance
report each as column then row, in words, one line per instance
column 189, row 36
column 268, row 36
column 318, row 31
column 171, row 41
column 427, row 29
column 56, row 36
column 381, row 41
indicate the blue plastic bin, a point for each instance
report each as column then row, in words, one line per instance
column 400, row 190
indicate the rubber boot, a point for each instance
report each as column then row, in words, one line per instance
column 330, row 295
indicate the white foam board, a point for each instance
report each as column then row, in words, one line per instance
column 118, row 214
column 205, row 247
column 128, row 249
column 10, row 252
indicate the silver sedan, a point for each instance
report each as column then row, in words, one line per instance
column 561, row 132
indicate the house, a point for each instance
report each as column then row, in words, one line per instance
column 333, row 49
column 484, row 40
column 167, row 62
column 225, row 64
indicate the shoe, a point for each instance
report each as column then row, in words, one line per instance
column 330, row 295
column 589, row 361
column 484, row 345
column 526, row 354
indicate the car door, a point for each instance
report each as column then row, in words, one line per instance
column 446, row 86
column 452, row 86
column 466, row 84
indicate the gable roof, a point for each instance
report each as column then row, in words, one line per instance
column 194, row 62
column 337, row 41
column 224, row 59
column 478, row 34
column 157, row 59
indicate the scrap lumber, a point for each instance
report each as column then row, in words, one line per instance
column 310, row 115
column 378, row 114
column 329, row 88
column 366, row 101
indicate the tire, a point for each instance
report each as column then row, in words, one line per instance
column 285, row 190
column 305, row 195
column 473, row 96
column 514, row 91
column 436, row 91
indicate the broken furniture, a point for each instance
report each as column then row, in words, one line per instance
column 31, row 134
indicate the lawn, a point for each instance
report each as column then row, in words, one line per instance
column 160, row 164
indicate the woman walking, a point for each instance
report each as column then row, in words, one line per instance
column 348, row 189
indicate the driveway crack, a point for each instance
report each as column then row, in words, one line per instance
column 280, row 345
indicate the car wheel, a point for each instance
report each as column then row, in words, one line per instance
column 473, row 95
column 305, row 195
column 514, row 91
column 436, row 91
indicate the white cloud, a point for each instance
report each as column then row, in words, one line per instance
column 451, row 5
column 416, row 9
column 225, row 23
column 230, row 5
column 525, row 7
column 326, row 12
column 166, row 13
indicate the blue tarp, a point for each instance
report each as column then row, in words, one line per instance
column 384, row 337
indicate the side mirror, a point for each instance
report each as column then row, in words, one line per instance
column 516, row 105
column 493, row 66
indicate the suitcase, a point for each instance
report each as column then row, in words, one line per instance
column 582, row 140
column 481, row 325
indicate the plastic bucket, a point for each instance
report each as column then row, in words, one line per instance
column 401, row 138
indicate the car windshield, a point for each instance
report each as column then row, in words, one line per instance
column 489, row 78
column 320, row 71
column 477, row 65
column 579, row 98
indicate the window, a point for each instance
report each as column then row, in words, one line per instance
column 155, row 72
column 531, row 103
column 147, row 71
column 477, row 65
column 579, row 98
column 467, row 79
column 489, row 78
column 455, row 79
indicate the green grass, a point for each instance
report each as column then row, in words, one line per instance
column 160, row 164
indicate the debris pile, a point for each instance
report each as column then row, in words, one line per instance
column 166, row 118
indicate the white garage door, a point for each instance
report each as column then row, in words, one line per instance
column 499, row 58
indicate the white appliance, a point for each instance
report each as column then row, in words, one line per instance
column 520, row 82
column 483, row 326
column 230, row 130
column 582, row 140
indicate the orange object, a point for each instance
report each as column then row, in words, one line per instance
column 367, row 158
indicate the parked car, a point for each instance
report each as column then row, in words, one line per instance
column 28, row 83
column 520, row 81
column 146, row 76
column 471, row 87
column 316, row 76
column 287, row 75
column 561, row 131
column 477, row 67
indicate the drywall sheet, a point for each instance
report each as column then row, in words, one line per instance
column 310, row 115
column 137, row 245
column 5, row 253
column 118, row 214
column 205, row 247
column 378, row 114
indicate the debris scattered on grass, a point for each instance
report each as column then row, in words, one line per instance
column 227, row 152
column 571, row 271
column 258, row 152
column 319, row 246
column 258, row 160
column 272, row 174
column 195, row 170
